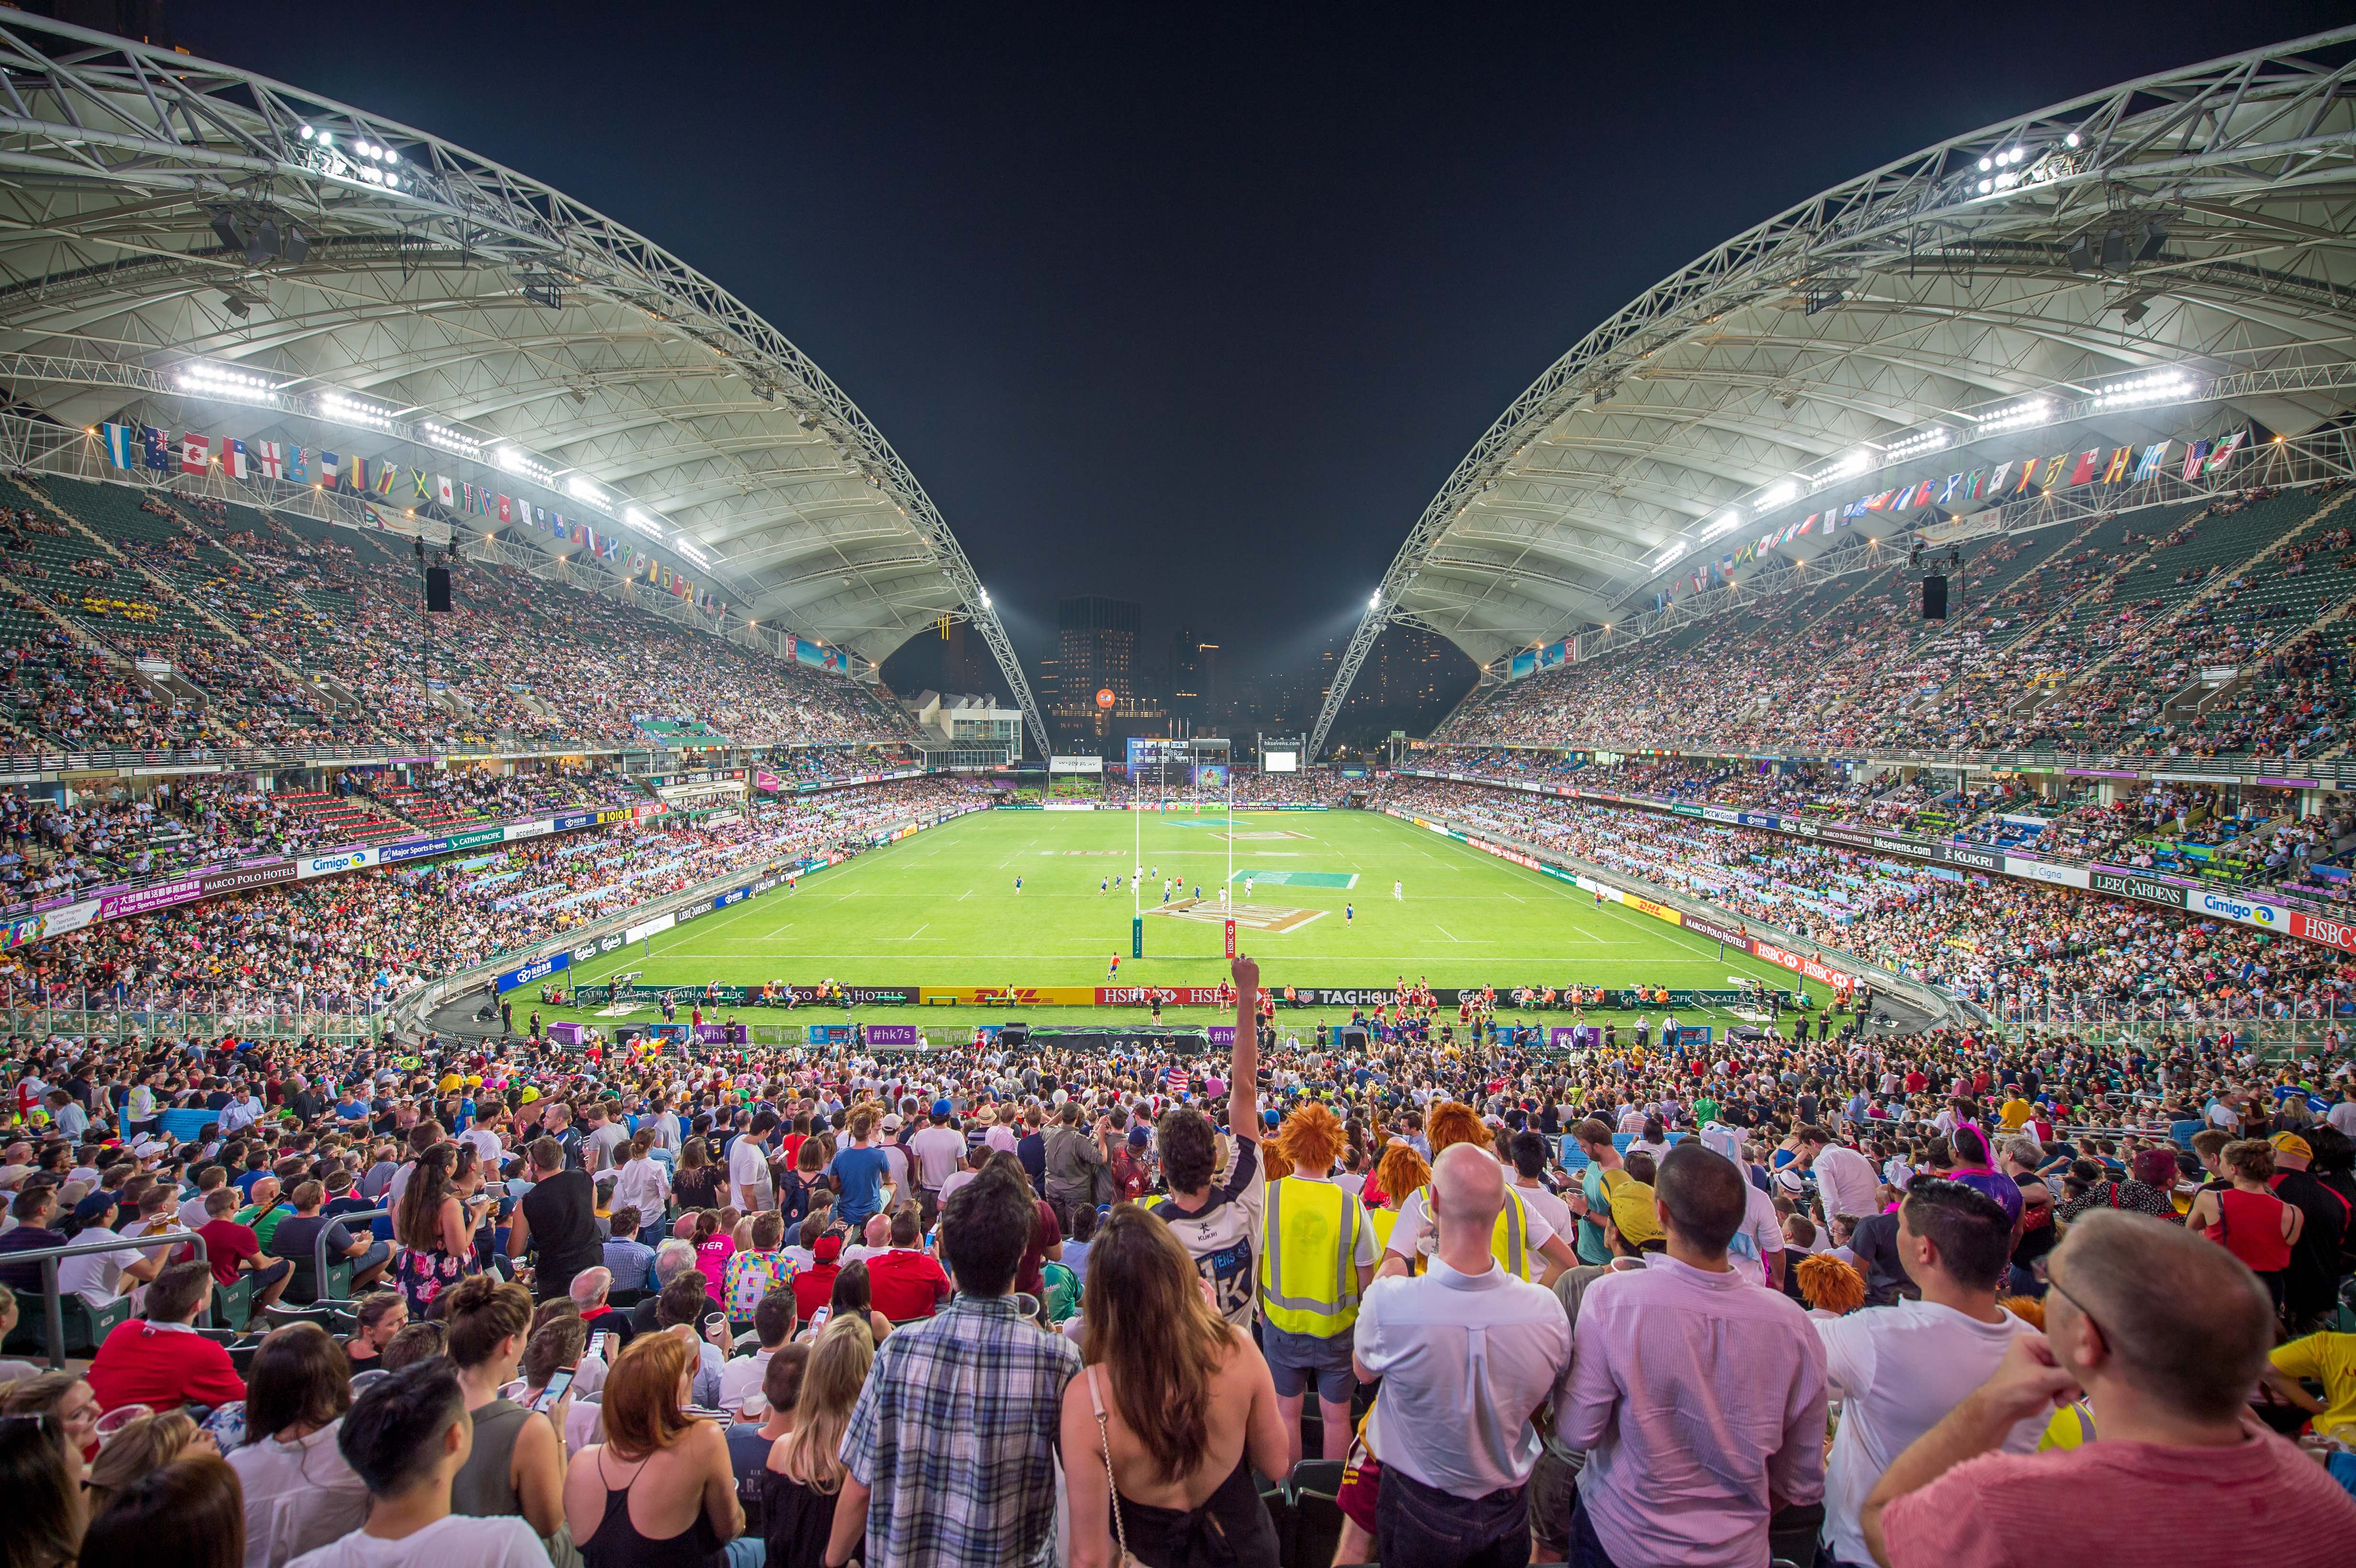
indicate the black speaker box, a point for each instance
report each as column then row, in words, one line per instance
column 437, row 589
column 1934, row 598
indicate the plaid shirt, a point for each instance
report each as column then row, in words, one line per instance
column 955, row 1437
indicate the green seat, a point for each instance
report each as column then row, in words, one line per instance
column 234, row 1303
column 87, row 1327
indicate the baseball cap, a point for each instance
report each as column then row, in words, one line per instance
column 1633, row 1212
column 940, row 1107
column 892, row 1121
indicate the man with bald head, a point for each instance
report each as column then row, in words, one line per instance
column 2166, row 1333
column 1467, row 1353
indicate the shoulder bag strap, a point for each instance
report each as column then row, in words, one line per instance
column 1104, row 1442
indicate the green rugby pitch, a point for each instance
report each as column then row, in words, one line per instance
column 939, row 908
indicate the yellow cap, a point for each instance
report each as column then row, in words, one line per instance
column 1632, row 1213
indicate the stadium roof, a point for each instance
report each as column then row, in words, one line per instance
column 168, row 225
column 2156, row 261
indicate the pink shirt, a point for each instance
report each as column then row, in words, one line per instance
column 1698, row 1396
column 711, row 1260
column 2151, row 1505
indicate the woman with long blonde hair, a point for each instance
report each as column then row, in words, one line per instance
column 806, row 1470
column 1162, row 1432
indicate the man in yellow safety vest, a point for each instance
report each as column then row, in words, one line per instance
column 1317, row 1253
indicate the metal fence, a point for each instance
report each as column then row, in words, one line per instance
column 328, row 1028
column 53, row 1299
column 2305, row 1029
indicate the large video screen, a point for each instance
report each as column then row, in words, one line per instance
column 1280, row 762
column 1155, row 752
column 1210, row 775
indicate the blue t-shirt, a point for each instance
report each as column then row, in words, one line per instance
column 862, row 1172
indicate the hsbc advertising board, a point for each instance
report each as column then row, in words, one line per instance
column 2337, row 933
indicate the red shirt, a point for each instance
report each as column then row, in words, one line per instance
column 904, row 1283
column 814, row 1287
column 2157, row 1505
column 166, row 1368
column 227, row 1245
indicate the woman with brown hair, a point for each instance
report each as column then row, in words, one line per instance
column 435, row 1228
column 659, row 1492
column 189, row 1513
column 517, row 1465
column 299, row 1492
column 699, row 1182
column 2246, row 1217
column 40, row 1475
column 806, row 1470
column 1175, row 1410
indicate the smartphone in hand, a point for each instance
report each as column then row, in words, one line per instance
column 558, row 1386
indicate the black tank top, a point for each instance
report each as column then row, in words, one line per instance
column 617, row 1542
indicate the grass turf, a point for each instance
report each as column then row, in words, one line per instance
column 940, row 909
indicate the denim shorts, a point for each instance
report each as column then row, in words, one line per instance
column 1294, row 1360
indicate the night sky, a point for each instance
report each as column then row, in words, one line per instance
column 1199, row 308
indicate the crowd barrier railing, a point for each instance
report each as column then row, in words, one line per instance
column 320, row 1278
column 53, row 1299
column 336, row 1028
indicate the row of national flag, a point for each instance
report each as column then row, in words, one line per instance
column 144, row 447
column 2063, row 470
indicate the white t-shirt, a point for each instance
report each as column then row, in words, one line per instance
column 1846, row 1180
column 1223, row 1237
column 1762, row 1233
column 938, row 1150
column 1547, row 1206
column 740, row 1383
column 93, row 1276
column 1897, row 1370
column 748, row 1171
column 457, row 1541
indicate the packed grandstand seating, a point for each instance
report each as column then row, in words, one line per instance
column 130, row 618
column 356, row 944
column 2019, row 949
column 2205, row 631
column 2246, row 836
